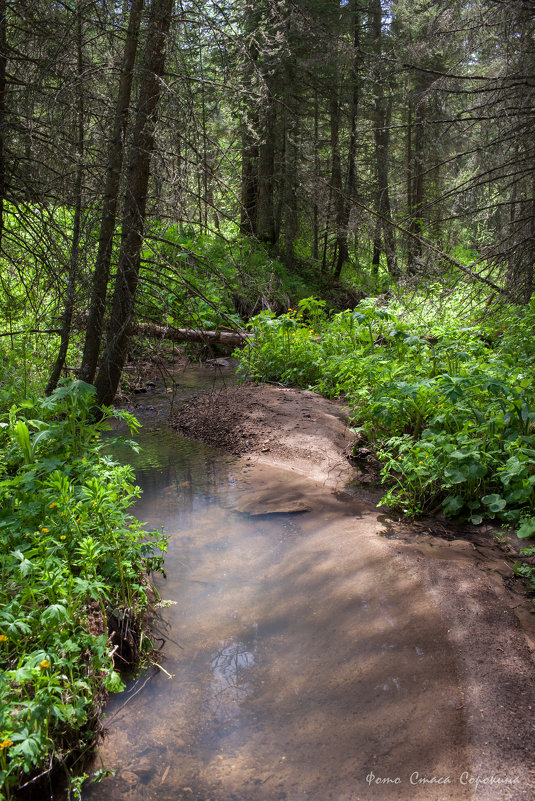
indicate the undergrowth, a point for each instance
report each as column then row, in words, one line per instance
column 449, row 405
column 195, row 279
column 70, row 556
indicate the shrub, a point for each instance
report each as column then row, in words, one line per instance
column 70, row 553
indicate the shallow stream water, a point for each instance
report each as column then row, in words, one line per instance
column 299, row 660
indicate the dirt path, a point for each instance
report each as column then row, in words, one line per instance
column 447, row 580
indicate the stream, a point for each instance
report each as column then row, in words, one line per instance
column 300, row 663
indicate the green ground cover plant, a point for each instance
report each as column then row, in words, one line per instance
column 200, row 280
column 450, row 409
column 70, row 555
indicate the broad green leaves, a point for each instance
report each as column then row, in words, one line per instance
column 454, row 423
column 68, row 548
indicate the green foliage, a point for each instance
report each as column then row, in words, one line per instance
column 450, row 409
column 22, row 367
column 209, row 281
column 69, row 552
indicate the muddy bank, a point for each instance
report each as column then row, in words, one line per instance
column 278, row 426
column 463, row 580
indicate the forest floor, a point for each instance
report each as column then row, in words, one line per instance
column 465, row 573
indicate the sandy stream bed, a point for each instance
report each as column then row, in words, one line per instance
column 455, row 585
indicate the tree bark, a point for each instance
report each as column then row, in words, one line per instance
column 101, row 273
column 66, row 322
column 336, row 166
column 382, row 114
column 376, row 253
column 3, row 86
column 343, row 228
column 249, row 183
column 291, row 221
column 230, row 338
column 416, row 173
column 249, row 125
column 135, row 203
column 265, row 208
column 315, row 207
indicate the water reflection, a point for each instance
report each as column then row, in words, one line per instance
column 296, row 659
column 229, row 684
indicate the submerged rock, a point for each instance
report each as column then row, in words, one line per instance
column 269, row 502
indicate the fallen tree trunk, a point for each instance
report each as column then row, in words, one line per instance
column 230, row 338
column 31, row 331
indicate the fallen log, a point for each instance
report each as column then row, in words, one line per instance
column 31, row 331
column 229, row 338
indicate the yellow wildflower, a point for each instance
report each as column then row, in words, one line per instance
column 420, row 463
column 5, row 743
column 52, row 505
column 63, row 537
column 3, row 638
column 45, row 530
column 44, row 664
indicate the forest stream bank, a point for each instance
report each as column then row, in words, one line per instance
column 454, row 584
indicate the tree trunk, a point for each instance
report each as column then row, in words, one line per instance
column 416, row 172
column 203, row 198
column 316, row 184
column 228, row 338
column 135, row 203
column 336, row 167
column 266, row 228
column 376, row 254
column 528, row 281
column 291, row 221
column 66, row 322
column 110, row 201
column 249, row 184
column 343, row 229
column 410, row 114
column 382, row 114
column 249, row 126
column 382, row 154
column 3, row 66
